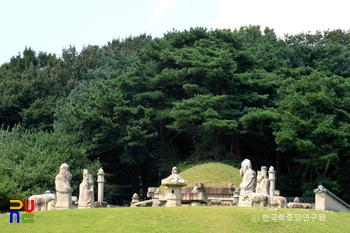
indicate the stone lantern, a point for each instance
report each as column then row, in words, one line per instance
column 174, row 183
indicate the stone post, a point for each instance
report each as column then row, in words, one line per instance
column 91, row 187
column 272, row 178
column 100, row 181
column 156, row 201
column 236, row 197
column 135, row 199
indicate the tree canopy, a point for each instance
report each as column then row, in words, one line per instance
column 140, row 106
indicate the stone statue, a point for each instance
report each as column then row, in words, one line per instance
column 63, row 188
column 296, row 204
column 249, row 176
column 263, row 183
column 91, row 186
column 85, row 191
column 278, row 201
column 42, row 201
column 247, row 187
column 265, row 188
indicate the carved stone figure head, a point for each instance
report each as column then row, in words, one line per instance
column 245, row 165
column 65, row 171
column 174, row 171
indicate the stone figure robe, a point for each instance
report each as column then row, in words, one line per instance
column 85, row 193
column 62, row 184
column 248, row 181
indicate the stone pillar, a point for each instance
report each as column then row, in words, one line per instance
column 236, row 197
column 100, row 181
column 135, row 198
column 320, row 197
column 263, row 183
column 156, row 201
column 272, row 178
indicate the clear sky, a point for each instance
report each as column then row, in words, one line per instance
column 51, row 25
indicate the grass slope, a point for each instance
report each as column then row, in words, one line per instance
column 215, row 175
column 178, row 219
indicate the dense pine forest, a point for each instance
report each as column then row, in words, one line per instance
column 140, row 105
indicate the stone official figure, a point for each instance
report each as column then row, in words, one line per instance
column 249, row 176
column 85, row 191
column 63, row 188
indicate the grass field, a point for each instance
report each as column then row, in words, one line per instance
column 181, row 219
column 186, row 219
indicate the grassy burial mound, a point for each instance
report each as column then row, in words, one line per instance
column 215, row 175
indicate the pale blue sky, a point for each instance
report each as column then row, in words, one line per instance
column 50, row 25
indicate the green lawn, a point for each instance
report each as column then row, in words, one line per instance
column 186, row 219
column 180, row 219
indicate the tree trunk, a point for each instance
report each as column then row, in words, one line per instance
column 161, row 129
column 234, row 147
column 326, row 169
column 238, row 151
column 193, row 131
column 141, row 186
column 232, row 144
column 304, row 178
column 215, row 149
column 277, row 165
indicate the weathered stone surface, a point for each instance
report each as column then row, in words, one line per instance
column 63, row 188
column 260, row 199
column 156, row 201
column 174, row 183
column 150, row 191
column 278, row 201
column 265, row 188
column 135, row 199
column 236, row 197
column 100, row 182
column 174, row 179
column 247, row 187
column 200, row 197
column 195, row 203
column 41, row 202
column 86, row 193
column 263, row 183
column 248, row 176
column 297, row 204
column 272, row 179
column 215, row 202
column 326, row 200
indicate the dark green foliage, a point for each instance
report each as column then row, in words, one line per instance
column 142, row 105
column 31, row 160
